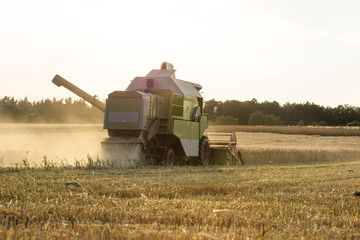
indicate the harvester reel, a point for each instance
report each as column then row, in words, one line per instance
column 204, row 151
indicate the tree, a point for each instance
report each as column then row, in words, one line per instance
column 256, row 118
column 271, row 119
column 48, row 111
column 353, row 124
column 210, row 107
column 300, row 123
column 227, row 120
column 260, row 118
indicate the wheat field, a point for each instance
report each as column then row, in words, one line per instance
column 272, row 148
column 291, row 187
column 70, row 143
column 306, row 130
column 299, row 201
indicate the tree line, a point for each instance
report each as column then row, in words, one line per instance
column 228, row 112
column 272, row 113
column 48, row 111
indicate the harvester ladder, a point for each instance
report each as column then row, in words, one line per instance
column 174, row 108
column 164, row 113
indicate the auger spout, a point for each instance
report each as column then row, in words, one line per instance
column 60, row 81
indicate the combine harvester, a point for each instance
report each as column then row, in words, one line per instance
column 160, row 119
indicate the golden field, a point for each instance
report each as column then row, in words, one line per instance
column 66, row 144
column 299, row 201
column 271, row 148
column 285, row 145
column 292, row 186
column 306, row 130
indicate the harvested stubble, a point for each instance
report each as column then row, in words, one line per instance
column 239, row 202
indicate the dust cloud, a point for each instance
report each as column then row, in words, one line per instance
column 122, row 155
column 59, row 143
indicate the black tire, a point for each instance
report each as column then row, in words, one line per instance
column 169, row 157
column 204, row 151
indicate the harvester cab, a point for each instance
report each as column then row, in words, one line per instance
column 160, row 116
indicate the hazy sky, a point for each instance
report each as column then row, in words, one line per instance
column 281, row 50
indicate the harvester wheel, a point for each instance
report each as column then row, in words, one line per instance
column 204, row 151
column 169, row 157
